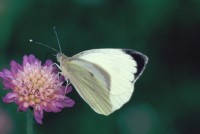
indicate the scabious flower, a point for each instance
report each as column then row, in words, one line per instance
column 36, row 86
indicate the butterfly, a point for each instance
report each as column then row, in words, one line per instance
column 104, row 78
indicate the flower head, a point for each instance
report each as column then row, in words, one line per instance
column 35, row 85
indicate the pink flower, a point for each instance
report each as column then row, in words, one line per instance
column 37, row 86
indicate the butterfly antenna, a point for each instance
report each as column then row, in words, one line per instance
column 54, row 28
column 30, row 40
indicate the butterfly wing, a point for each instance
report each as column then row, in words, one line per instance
column 92, row 84
column 105, row 77
column 116, row 59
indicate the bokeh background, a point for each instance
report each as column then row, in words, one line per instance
column 167, row 96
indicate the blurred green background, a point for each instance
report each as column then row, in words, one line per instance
column 167, row 96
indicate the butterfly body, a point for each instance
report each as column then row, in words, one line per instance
column 104, row 78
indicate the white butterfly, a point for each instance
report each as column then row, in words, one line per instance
column 104, row 78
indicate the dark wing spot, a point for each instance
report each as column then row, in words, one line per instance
column 140, row 59
column 91, row 74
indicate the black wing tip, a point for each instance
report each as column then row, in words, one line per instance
column 134, row 53
column 141, row 60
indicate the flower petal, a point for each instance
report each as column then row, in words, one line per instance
column 52, row 107
column 10, row 97
column 48, row 63
column 7, row 84
column 68, row 90
column 15, row 67
column 2, row 75
column 38, row 114
column 59, row 97
column 62, row 78
column 25, row 60
column 63, row 101
column 31, row 59
column 59, row 104
column 22, row 108
column 64, row 90
column 68, row 102
column 6, row 74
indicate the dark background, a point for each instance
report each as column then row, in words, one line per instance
column 167, row 96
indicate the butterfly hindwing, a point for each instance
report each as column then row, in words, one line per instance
column 92, row 83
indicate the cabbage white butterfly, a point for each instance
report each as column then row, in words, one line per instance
column 104, row 78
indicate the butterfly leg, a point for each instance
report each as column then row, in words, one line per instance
column 68, row 83
column 60, row 73
column 54, row 64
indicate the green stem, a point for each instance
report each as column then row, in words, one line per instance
column 29, row 122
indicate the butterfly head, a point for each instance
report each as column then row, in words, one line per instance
column 60, row 57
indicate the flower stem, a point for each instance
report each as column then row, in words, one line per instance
column 29, row 122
